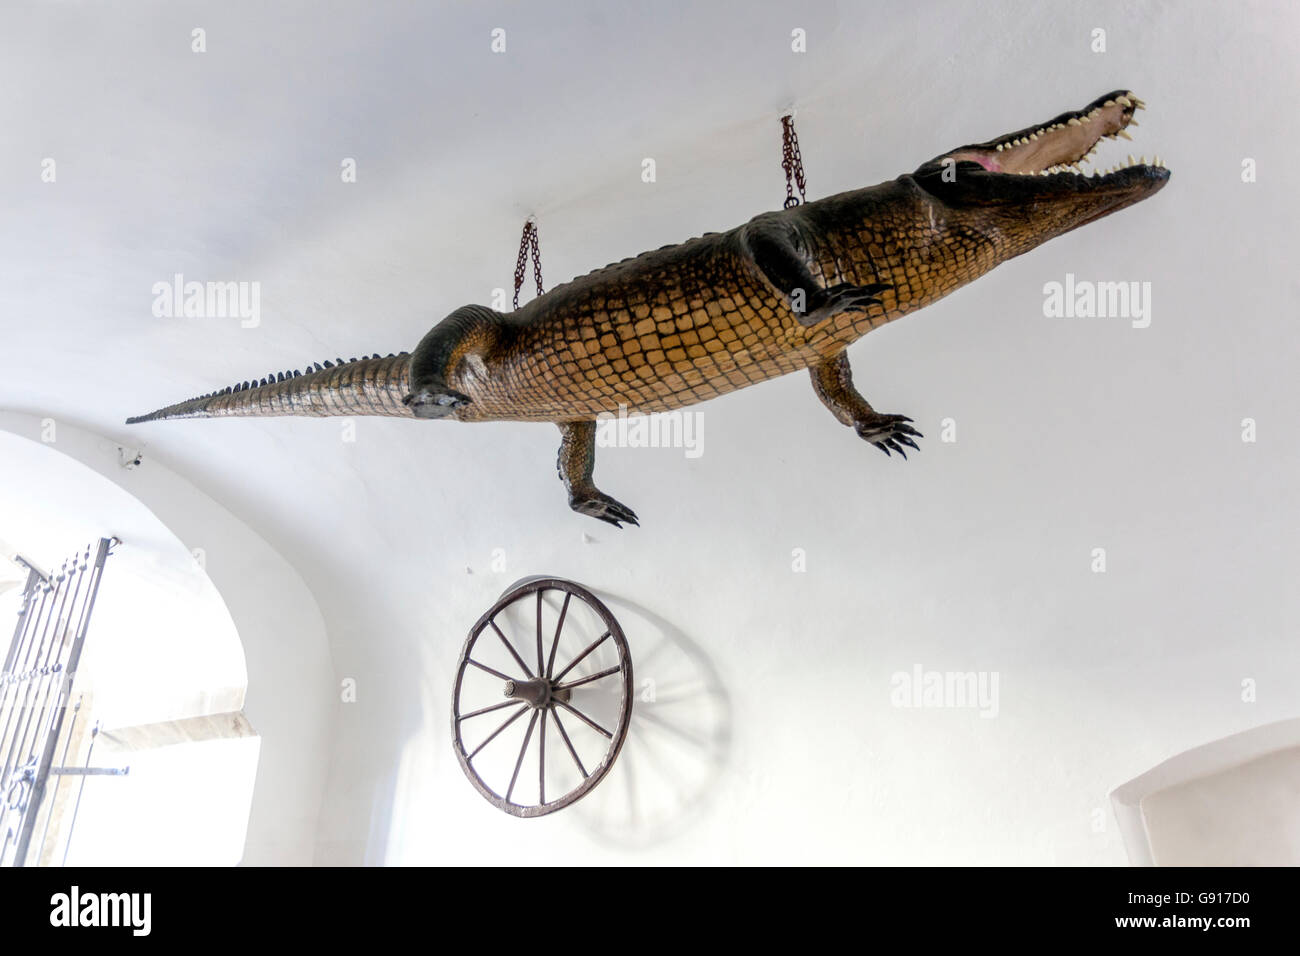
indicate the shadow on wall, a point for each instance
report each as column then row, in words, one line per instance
column 677, row 744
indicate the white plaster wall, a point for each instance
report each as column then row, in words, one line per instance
column 291, row 688
column 972, row 556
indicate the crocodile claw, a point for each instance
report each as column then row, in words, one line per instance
column 844, row 297
column 889, row 433
column 602, row 506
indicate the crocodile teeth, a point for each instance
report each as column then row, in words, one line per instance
column 999, row 147
column 1125, row 135
column 1123, row 101
column 1073, row 121
column 1109, row 103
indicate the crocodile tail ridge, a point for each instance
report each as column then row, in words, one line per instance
column 373, row 385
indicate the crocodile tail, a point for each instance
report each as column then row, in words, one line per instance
column 373, row 385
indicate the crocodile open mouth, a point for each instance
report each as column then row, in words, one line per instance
column 1061, row 146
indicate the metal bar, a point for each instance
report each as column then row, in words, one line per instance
column 585, row 719
column 69, row 675
column 50, row 629
column 14, row 710
column 21, row 624
column 94, row 735
column 34, row 592
column 67, row 742
column 555, row 644
column 568, row 743
column 68, row 589
column 528, row 735
column 577, row 660
column 511, row 648
column 18, row 707
column 587, row 680
column 89, row 771
column 47, row 681
column 61, row 678
column 22, row 685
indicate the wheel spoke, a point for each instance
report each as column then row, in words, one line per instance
column 511, row 648
column 577, row 660
column 486, row 710
column 568, row 743
column 490, row 670
column 555, row 644
column 528, row 735
column 587, row 680
column 540, row 664
column 585, row 719
column 522, row 707
column 541, row 762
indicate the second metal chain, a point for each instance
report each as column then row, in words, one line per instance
column 527, row 245
column 792, row 163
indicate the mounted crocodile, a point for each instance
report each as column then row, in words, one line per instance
column 787, row 291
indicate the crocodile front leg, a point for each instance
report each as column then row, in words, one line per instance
column 833, row 382
column 780, row 252
column 576, row 463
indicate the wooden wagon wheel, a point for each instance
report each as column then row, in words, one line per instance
column 548, row 692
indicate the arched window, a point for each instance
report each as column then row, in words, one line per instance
column 158, row 686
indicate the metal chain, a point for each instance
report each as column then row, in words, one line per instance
column 792, row 162
column 527, row 245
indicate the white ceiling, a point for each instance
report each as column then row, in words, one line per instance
column 1072, row 434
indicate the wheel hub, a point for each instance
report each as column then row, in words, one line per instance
column 537, row 692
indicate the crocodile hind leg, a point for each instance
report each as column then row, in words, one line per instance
column 463, row 335
column 576, row 462
column 778, row 249
column 833, row 382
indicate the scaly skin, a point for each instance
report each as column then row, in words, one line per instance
column 691, row 322
column 789, row 290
